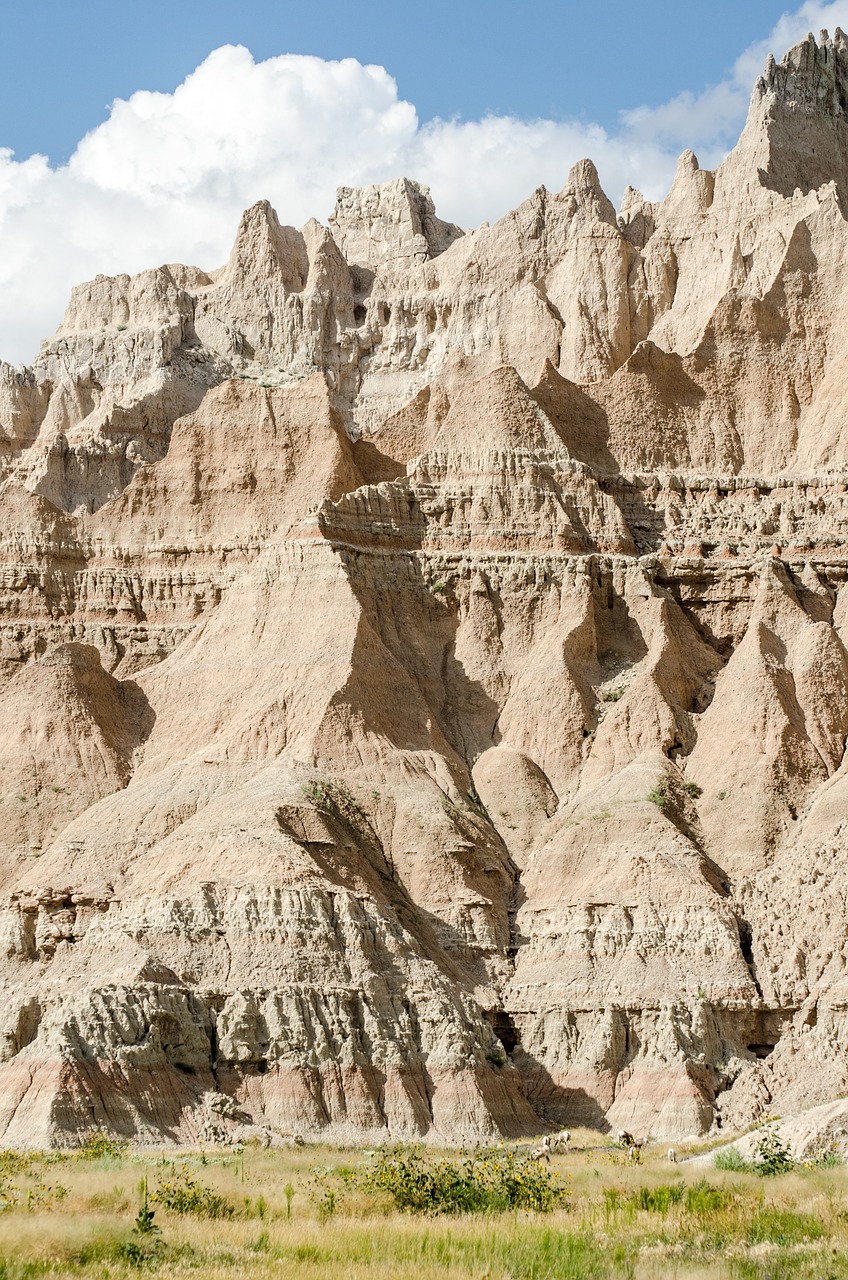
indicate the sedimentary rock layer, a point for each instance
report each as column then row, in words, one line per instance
column 423, row 666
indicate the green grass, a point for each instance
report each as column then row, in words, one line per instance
column 414, row 1214
column 783, row 1227
column 658, row 1199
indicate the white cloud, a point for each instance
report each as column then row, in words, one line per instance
column 166, row 176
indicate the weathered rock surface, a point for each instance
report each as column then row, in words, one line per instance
column 423, row 669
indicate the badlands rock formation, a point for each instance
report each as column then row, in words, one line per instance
column 423, row 666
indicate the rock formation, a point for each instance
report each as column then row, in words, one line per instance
column 423, row 666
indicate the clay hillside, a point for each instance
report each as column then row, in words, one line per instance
column 423, row 669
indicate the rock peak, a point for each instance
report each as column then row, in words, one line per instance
column 584, row 185
column 796, row 126
column 389, row 222
column 264, row 249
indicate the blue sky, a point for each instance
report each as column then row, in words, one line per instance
column 132, row 135
column 61, row 65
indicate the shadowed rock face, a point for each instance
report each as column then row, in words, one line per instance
column 423, row 666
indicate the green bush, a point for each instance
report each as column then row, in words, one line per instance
column 771, row 1155
column 658, row 796
column 731, row 1159
column 490, row 1179
column 99, row 1146
column 181, row 1193
column 321, row 794
column 333, row 798
column 824, row 1155
column 323, row 1193
column 692, row 789
column 702, row 1198
column 612, row 1199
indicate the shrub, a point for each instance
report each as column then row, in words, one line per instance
column 658, row 796
column 182, row 1193
column 132, row 1253
column 323, row 1194
column 332, row 798
column 37, row 1193
column 100, row 1146
column 321, row 794
column 692, row 789
column 824, row 1155
column 731, row 1159
column 13, row 1163
column 612, row 1203
column 702, row 1198
column 772, row 1155
column 488, row 1179
column 612, row 695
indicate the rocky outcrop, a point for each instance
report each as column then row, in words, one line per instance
column 423, row 666
column 393, row 223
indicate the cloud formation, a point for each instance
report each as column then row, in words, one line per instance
column 166, row 176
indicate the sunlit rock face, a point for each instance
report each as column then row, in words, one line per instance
column 423, row 682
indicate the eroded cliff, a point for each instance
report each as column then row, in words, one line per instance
column 423, row 666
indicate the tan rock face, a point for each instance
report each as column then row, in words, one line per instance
column 423, row 666
column 392, row 223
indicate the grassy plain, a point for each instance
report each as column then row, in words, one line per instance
column 256, row 1213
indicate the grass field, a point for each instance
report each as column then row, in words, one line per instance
column 317, row 1212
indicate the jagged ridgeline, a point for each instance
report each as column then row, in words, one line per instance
column 424, row 692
